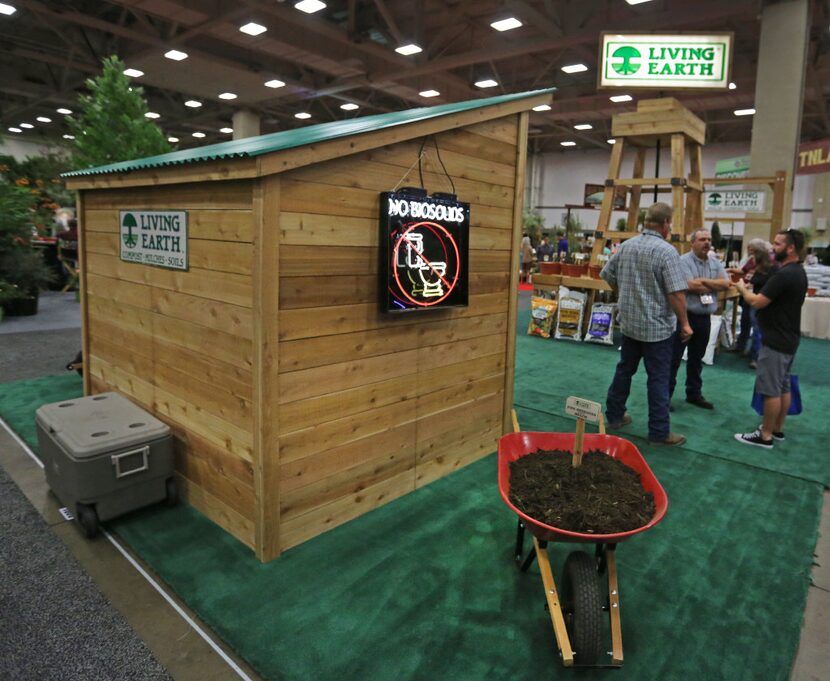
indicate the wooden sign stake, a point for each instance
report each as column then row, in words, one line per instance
column 580, row 436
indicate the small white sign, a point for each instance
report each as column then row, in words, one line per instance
column 735, row 201
column 66, row 513
column 665, row 61
column 154, row 237
column 583, row 409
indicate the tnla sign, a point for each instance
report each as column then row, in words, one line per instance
column 665, row 61
column 154, row 237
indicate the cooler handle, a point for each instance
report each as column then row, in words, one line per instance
column 116, row 461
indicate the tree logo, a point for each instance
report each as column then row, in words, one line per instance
column 628, row 63
column 130, row 239
column 715, row 199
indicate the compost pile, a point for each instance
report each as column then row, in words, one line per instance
column 602, row 496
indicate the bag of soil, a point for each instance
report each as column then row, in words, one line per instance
column 569, row 322
column 542, row 313
column 601, row 324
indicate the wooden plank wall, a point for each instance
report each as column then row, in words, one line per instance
column 180, row 343
column 372, row 406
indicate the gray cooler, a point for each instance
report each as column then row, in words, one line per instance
column 104, row 456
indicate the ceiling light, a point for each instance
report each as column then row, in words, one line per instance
column 429, row 93
column 568, row 144
column 542, row 107
column 409, row 48
column 172, row 140
column 738, row 112
column 65, row 112
column 349, row 106
column 620, row 98
column 44, row 119
column 152, row 114
column 575, row 68
column 253, row 28
column 133, row 73
column 28, row 126
column 584, row 126
column 175, row 55
column 198, row 134
column 274, row 83
column 14, row 129
column 506, row 24
column 611, row 141
column 636, row 2
column 8, row 10
column 302, row 115
column 69, row 137
column 227, row 95
column 227, row 131
column 193, row 103
column 309, row 6
column 732, row 86
column 486, row 83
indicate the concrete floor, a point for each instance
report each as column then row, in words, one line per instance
column 172, row 635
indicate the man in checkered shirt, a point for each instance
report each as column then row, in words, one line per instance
column 651, row 286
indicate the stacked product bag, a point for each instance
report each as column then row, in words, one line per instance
column 569, row 322
column 601, row 324
column 542, row 314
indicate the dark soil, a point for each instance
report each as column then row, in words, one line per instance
column 602, row 496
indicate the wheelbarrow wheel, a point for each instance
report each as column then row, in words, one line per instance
column 582, row 607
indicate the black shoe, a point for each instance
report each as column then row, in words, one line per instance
column 700, row 402
column 755, row 439
column 777, row 436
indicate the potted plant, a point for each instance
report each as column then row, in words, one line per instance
column 22, row 270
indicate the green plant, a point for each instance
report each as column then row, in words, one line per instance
column 717, row 238
column 533, row 224
column 621, row 224
column 22, row 270
column 41, row 175
column 110, row 125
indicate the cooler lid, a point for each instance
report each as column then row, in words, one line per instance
column 88, row 426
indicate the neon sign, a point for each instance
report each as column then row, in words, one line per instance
column 423, row 250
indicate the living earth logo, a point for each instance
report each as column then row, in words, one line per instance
column 628, row 60
column 129, row 222
column 674, row 60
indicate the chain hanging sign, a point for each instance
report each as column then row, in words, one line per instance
column 154, row 237
column 665, row 61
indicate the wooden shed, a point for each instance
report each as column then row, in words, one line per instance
column 296, row 403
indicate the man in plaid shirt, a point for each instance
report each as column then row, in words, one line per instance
column 651, row 286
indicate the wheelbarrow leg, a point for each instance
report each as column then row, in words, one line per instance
column 614, row 605
column 524, row 562
column 552, row 596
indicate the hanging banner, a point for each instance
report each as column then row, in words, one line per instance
column 813, row 158
column 154, row 237
column 734, row 201
column 732, row 167
column 665, row 61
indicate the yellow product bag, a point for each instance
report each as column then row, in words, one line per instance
column 542, row 314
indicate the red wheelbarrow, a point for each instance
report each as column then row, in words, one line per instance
column 576, row 610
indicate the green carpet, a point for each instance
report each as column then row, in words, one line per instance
column 548, row 371
column 425, row 588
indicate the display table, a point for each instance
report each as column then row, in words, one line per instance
column 551, row 283
column 815, row 318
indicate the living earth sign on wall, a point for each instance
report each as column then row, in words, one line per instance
column 665, row 61
column 154, row 237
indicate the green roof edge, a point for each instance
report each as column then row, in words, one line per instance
column 289, row 139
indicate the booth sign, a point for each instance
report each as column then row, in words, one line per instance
column 665, row 61
column 730, row 201
column 154, row 237
column 813, row 157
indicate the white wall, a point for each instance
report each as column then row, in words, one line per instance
column 22, row 149
column 557, row 179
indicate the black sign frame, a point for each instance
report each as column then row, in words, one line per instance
column 424, row 251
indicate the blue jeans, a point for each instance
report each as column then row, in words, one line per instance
column 657, row 357
column 701, row 326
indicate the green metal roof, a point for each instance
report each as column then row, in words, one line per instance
column 289, row 139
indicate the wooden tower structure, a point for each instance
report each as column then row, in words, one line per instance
column 656, row 123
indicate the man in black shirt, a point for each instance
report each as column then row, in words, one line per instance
column 779, row 315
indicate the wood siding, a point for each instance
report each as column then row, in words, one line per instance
column 373, row 406
column 181, row 344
